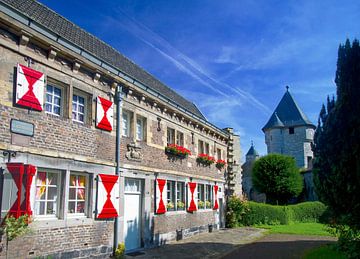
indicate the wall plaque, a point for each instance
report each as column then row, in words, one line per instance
column 22, row 127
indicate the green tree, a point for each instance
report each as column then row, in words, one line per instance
column 278, row 177
column 337, row 142
column 337, row 151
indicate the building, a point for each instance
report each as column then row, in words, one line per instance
column 58, row 141
column 290, row 132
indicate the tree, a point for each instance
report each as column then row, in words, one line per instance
column 278, row 177
column 337, row 142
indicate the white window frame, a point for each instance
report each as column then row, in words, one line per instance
column 140, row 128
column 58, row 197
column 179, row 138
column 201, row 193
column 126, row 121
column 52, row 103
column 170, row 135
column 207, row 148
column 201, row 149
column 218, row 152
column 78, row 104
column 171, row 193
column 86, row 189
column 182, row 194
column 209, row 195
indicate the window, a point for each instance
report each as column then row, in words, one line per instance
column 200, row 147
column 77, row 194
column 179, row 138
column 180, row 196
column 201, row 196
column 170, row 136
column 291, row 130
column 218, row 153
column 126, row 123
column 53, row 100
column 140, row 128
column 207, row 148
column 47, row 193
column 170, row 195
column 209, row 198
column 78, row 108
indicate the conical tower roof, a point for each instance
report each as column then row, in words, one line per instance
column 252, row 151
column 287, row 114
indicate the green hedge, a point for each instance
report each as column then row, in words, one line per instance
column 241, row 213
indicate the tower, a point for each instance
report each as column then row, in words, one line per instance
column 290, row 132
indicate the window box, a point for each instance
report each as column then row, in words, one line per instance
column 176, row 150
column 205, row 159
column 220, row 164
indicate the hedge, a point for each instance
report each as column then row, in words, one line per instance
column 247, row 213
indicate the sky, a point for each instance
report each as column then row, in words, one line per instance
column 232, row 58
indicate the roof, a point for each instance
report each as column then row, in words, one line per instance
column 74, row 34
column 287, row 114
column 252, row 151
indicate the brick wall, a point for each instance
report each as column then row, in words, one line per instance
column 62, row 242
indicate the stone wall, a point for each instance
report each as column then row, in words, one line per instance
column 79, row 241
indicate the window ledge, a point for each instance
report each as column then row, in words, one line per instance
column 55, row 222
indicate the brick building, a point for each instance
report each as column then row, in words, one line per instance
column 58, row 142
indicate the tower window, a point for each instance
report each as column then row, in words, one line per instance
column 291, row 130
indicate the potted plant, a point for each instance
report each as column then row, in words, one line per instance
column 170, row 205
column 220, row 164
column 201, row 204
column 176, row 150
column 205, row 159
column 180, row 205
column 207, row 204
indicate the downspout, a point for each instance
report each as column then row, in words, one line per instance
column 117, row 156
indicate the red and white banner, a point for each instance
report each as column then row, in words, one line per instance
column 216, row 199
column 192, row 197
column 104, row 114
column 108, row 205
column 29, row 88
column 161, row 196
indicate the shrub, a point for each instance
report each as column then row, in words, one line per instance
column 242, row 213
column 15, row 227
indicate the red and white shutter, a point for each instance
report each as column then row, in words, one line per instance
column 29, row 88
column 216, row 199
column 107, row 196
column 160, row 195
column 192, row 199
column 104, row 114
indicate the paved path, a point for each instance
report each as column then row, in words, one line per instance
column 236, row 243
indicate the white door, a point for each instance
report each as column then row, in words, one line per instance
column 132, row 212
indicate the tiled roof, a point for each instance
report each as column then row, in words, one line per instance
column 74, row 34
column 287, row 114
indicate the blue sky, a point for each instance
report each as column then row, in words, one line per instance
column 232, row 58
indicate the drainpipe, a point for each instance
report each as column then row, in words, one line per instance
column 117, row 156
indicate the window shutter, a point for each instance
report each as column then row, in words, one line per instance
column 104, row 114
column 107, row 203
column 216, row 200
column 160, row 196
column 191, row 196
column 29, row 88
column 23, row 177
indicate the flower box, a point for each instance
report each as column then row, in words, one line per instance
column 220, row 164
column 205, row 159
column 176, row 150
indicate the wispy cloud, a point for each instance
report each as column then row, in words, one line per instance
column 185, row 63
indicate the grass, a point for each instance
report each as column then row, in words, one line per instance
column 317, row 229
column 324, row 252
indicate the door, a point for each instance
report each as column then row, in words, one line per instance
column 132, row 213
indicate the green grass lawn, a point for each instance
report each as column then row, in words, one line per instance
column 324, row 252
column 317, row 229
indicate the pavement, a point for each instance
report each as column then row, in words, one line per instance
column 235, row 243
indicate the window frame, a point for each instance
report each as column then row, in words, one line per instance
column 128, row 115
column 79, row 95
column 201, row 194
column 52, row 104
column 179, row 138
column 219, row 154
column 182, row 194
column 201, row 148
column 142, row 127
column 86, row 193
column 171, row 194
column 58, row 202
column 209, row 195
column 170, row 136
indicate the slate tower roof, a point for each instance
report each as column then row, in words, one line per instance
column 252, row 151
column 64, row 29
column 287, row 114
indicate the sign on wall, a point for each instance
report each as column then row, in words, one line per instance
column 22, row 127
column 29, row 88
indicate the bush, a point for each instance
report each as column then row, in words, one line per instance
column 242, row 213
column 120, row 251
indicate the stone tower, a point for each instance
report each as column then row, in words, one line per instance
column 290, row 132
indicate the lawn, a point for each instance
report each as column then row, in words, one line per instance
column 324, row 252
column 317, row 229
